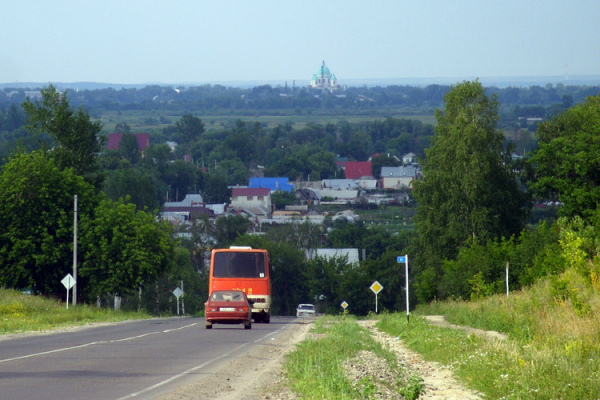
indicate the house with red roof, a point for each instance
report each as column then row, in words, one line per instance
column 361, row 172
column 114, row 141
column 256, row 200
column 358, row 170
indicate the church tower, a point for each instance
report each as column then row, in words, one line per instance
column 323, row 79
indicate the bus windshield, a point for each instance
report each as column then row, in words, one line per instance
column 239, row 265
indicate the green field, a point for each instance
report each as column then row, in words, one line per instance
column 150, row 121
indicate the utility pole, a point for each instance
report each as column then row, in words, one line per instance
column 182, row 299
column 75, row 252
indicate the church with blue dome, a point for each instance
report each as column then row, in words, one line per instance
column 323, row 80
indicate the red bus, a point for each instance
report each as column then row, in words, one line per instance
column 245, row 269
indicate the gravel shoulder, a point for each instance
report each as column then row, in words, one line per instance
column 256, row 375
column 247, row 379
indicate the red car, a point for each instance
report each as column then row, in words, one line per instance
column 228, row 307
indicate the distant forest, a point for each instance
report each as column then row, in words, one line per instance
column 533, row 101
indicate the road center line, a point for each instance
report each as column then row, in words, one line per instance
column 94, row 343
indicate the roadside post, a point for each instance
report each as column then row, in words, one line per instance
column 507, row 279
column 68, row 282
column 404, row 259
column 376, row 288
column 177, row 292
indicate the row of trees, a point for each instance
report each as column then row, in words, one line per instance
column 473, row 206
column 122, row 249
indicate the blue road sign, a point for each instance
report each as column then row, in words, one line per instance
column 401, row 259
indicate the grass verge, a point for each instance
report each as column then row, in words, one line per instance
column 553, row 350
column 319, row 367
column 21, row 313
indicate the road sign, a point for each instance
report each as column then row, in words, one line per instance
column 344, row 305
column 178, row 292
column 68, row 281
column 404, row 259
column 376, row 287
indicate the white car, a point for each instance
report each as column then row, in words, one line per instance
column 305, row 310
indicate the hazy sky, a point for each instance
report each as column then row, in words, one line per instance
column 196, row 41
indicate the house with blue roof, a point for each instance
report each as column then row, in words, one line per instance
column 274, row 184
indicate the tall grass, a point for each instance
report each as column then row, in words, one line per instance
column 553, row 350
column 24, row 313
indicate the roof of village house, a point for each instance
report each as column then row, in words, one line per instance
column 273, row 183
column 358, row 169
column 250, row 191
column 114, row 141
column 194, row 212
column 398, row 172
column 190, row 200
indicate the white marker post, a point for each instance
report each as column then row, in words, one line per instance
column 404, row 259
column 507, row 279
column 68, row 282
column 177, row 292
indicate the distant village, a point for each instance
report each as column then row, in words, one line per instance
column 255, row 200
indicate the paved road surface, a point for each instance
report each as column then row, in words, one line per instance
column 138, row 359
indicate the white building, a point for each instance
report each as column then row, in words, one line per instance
column 398, row 177
column 257, row 200
column 323, row 79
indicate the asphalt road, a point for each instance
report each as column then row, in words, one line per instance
column 136, row 359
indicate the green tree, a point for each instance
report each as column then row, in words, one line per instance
column 281, row 199
column 122, row 249
column 467, row 194
column 122, row 127
column 324, row 277
column 215, row 190
column 128, row 148
column 189, row 129
column 229, row 227
column 358, row 146
column 182, row 178
column 374, row 243
column 567, row 161
column 36, row 215
column 300, row 235
column 140, row 184
column 199, row 243
column 76, row 139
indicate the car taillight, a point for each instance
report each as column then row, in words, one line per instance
column 243, row 308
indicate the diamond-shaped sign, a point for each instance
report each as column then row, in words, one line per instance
column 376, row 287
column 177, row 292
column 68, row 281
column 344, row 305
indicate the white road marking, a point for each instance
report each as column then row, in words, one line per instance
column 171, row 379
column 94, row 343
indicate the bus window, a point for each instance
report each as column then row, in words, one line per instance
column 239, row 265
